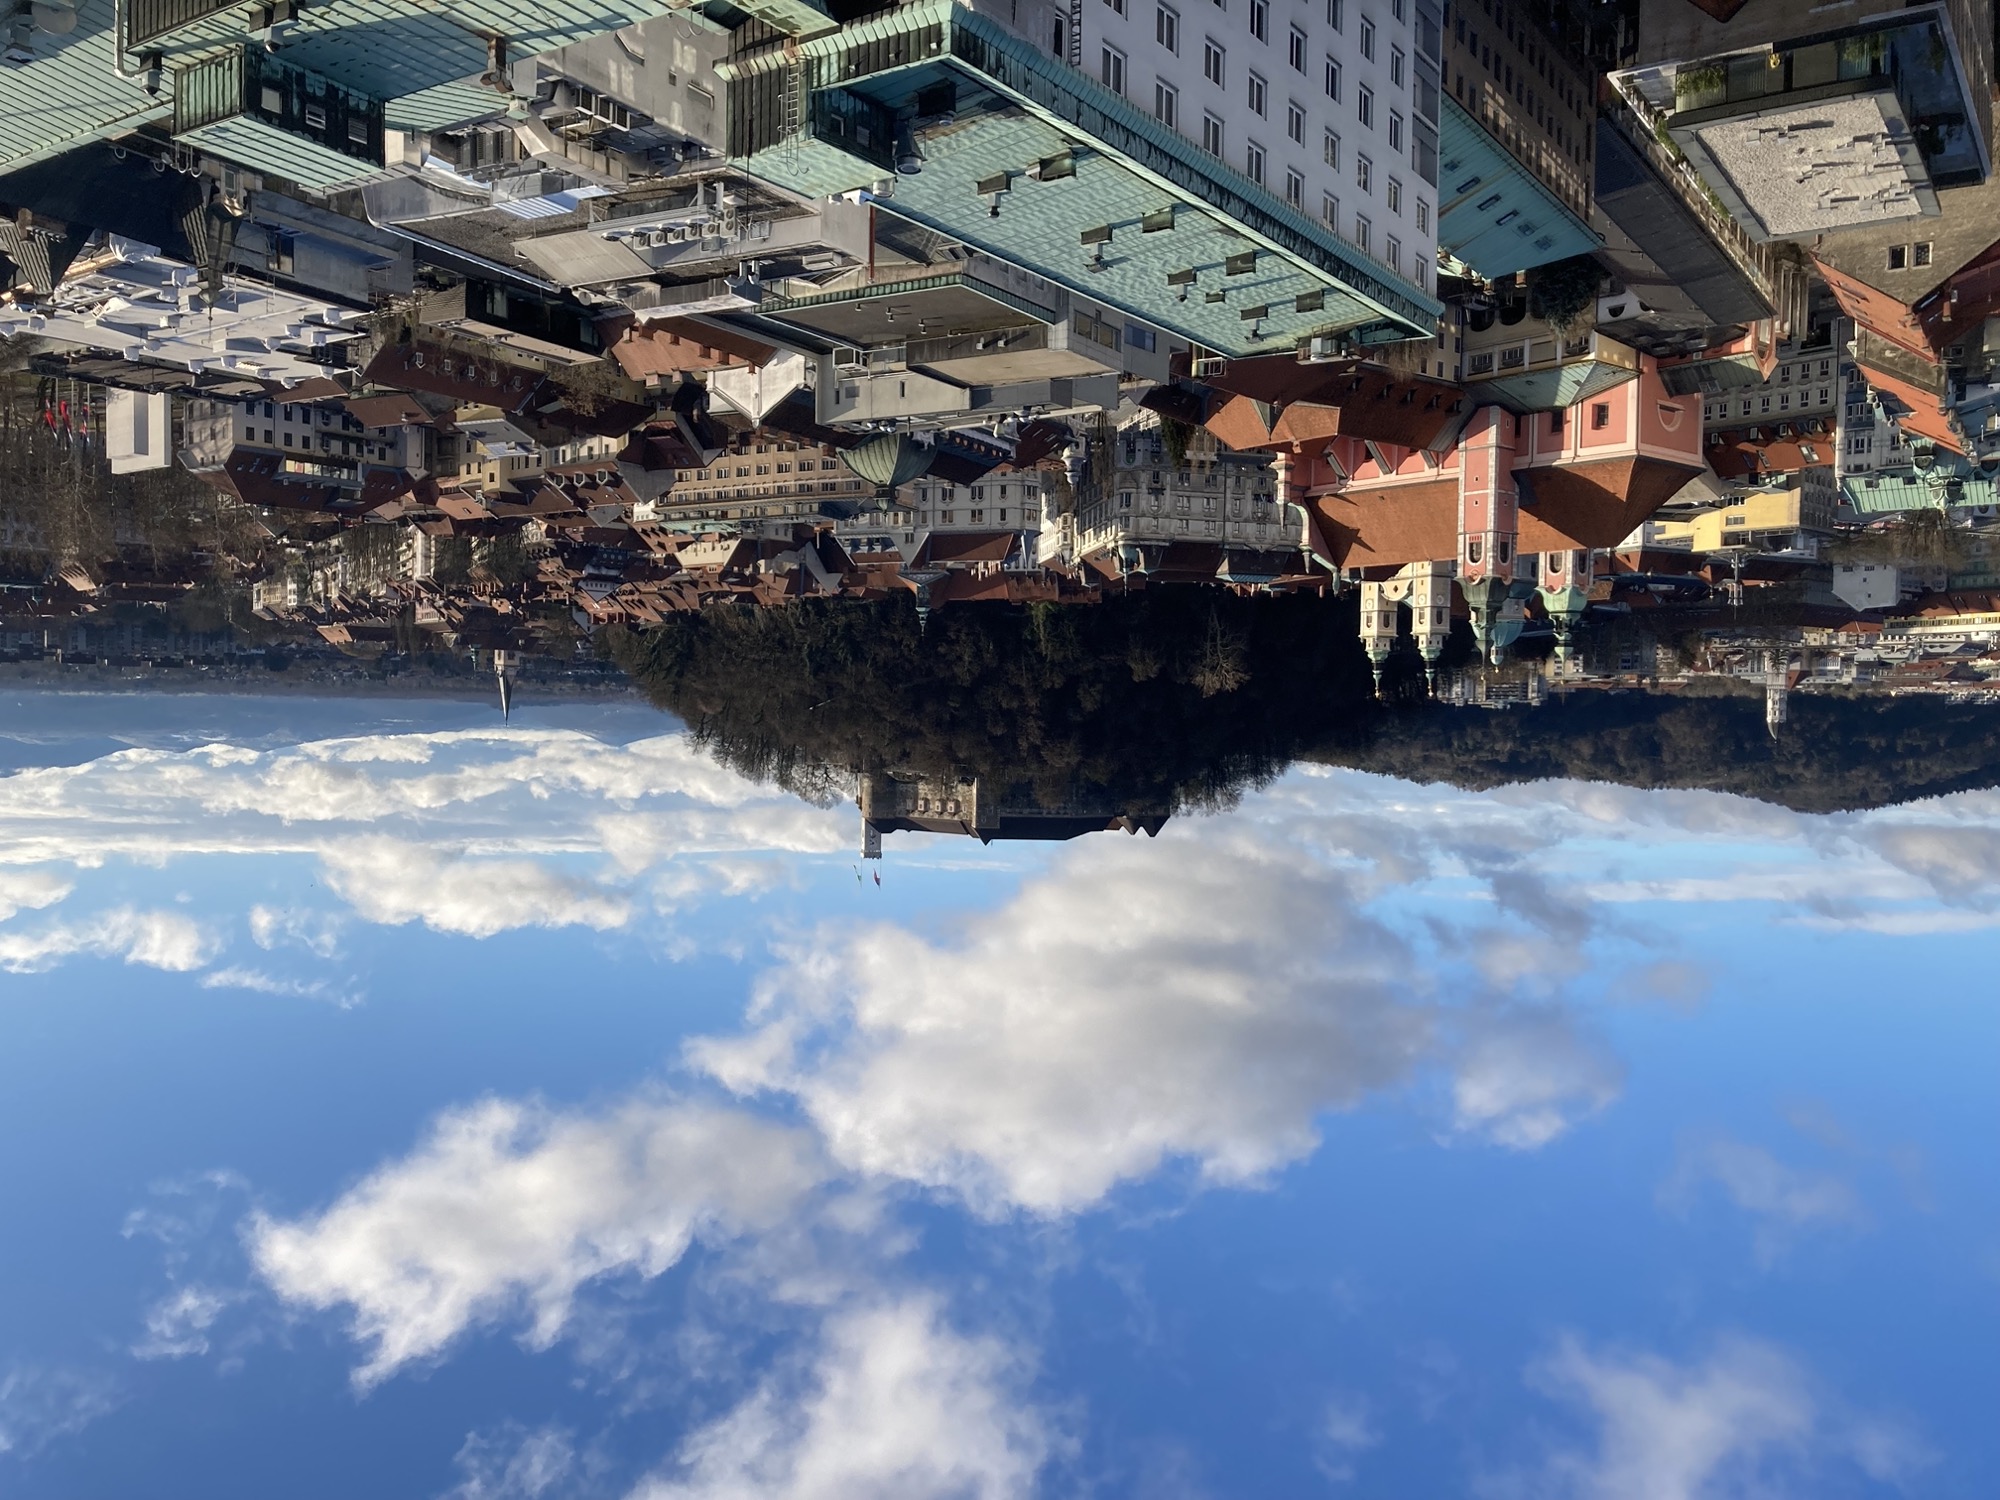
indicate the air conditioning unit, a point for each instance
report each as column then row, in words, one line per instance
column 849, row 359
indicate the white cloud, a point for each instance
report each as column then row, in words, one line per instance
column 497, row 828
column 178, row 1324
column 1522, row 1078
column 158, row 939
column 393, row 881
column 1205, row 997
column 38, row 1406
column 1743, row 1421
column 508, row 1208
column 30, row 889
column 895, row 1405
column 261, row 983
column 1784, row 1200
column 515, row 1464
column 317, row 932
column 1346, row 1430
column 1961, row 862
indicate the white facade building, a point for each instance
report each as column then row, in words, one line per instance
column 1316, row 100
column 1225, row 499
column 1869, row 441
column 999, row 502
column 1867, row 585
column 1804, row 384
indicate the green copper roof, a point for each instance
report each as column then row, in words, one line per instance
column 70, row 93
column 1493, row 213
column 1113, row 171
column 265, row 148
column 443, row 106
column 1556, row 388
column 1885, row 494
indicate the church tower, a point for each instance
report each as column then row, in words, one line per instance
column 1378, row 626
column 1430, row 613
column 1564, row 585
column 1777, row 690
column 1489, row 526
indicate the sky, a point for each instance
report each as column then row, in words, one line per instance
column 400, row 1102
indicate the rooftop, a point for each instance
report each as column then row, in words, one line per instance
column 1030, row 162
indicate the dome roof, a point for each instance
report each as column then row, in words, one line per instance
column 889, row 461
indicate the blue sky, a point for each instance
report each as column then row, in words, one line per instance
column 406, row 1104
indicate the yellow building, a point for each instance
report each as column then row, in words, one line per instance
column 1768, row 521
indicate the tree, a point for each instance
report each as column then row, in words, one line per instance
column 1565, row 290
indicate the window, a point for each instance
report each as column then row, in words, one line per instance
column 1920, row 253
column 1113, row 74
column 1329, row 210
column 1295, row 189
column 1332, row 79
column 1395, row 131
column 1362, row 229
column 1556, row 422
column 1257, row 96
column 1899, row 257
column 1117, row 6
column 1396, row 9
column 1166, row 104
column 1295, row 123
column 1167, row 29
column 1331, row 151
column 1211, row 62
column 1364, row 106
column 1336, row 14
column 1423, row 217
column 1295, row 50
column 1394, row 199
column 1260, row 20
column 1364, row 173
column 1211, row 134
column 1392, row 251
column 1253, row 163
column 1600, row 415
column 1396, row 66
column 1368, row 39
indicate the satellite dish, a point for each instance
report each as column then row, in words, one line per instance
column 55, row 17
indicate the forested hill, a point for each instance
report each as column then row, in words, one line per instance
column 1177, row 699
column 1165, row 700
column 1836, row 752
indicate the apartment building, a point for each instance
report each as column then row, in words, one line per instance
column 1519, row 152
column 1331, row 105
column 762, row 478
column 1009, row 501
column 1806, row 383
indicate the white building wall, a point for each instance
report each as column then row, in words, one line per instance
column 138, row 431
column 1335, row 130
column 1803, row 385
column 1867, row 585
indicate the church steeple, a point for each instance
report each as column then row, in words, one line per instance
column 1489, row 527
column 1378, row 627
column 1565, row 590
column 503, row 673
